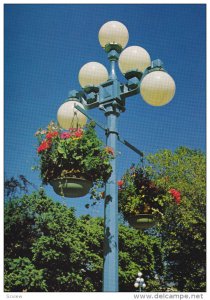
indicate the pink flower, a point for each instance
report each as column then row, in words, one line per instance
column 65, row 135
column 72, row 129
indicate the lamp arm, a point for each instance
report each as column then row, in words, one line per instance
column 126, row 143
column 90, row 118
column 83, row 99
column 128, row 92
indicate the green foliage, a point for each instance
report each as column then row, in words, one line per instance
column 72, row 153
column 44, row 240
column 44, row 232
column 21, row 275
column 183, row 228
column 137, row 251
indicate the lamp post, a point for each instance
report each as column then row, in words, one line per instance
column 104, row 91
column 140, row 282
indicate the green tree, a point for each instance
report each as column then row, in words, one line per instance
column 48, row 249
column 45, row 232
column 183, row 228
column 22, row 275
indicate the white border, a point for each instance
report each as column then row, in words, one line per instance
column 81, row 296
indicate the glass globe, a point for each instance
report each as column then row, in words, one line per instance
column 113, row 32
column 140, row 274
column 92, row 73
column 141, row 280
column 69, row 117
column 136, row 284
column 157, row 88
column 143, row 285
column 134, row 57
column 138, row 279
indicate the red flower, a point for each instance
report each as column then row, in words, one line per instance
column 120, row 183
column 176, row 195
column 51, row 135
column 109, row 150
column 46, row 144
column 78, row 133
column 102, row 195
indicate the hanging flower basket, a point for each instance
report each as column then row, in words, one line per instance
column 73, row 160
column 141, row 221
column 71, row 187
column 140, row 200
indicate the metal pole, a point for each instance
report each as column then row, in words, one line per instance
column 110, row 271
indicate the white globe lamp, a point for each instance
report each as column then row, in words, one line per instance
column 157, row 88
column 69, row 117
column 92, row 74
column 134, row 58
column 113, row 32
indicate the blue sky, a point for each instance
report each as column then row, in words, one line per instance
column 45, row 47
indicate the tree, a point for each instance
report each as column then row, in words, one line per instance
column 43, row 231
column 14, row 186
column 183, row 228
column 48, row 249
column 22, row 275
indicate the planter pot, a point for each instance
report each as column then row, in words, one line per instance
column 71, row 187
column 141, row 221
